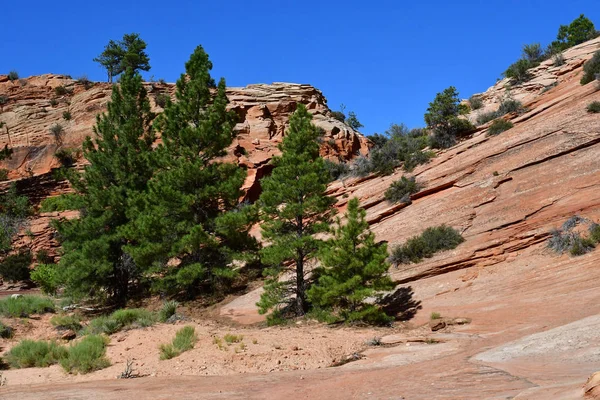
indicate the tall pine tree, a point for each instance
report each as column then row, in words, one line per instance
column 353, row 268
column 189, row 227
column 294, row 209
column 120, row 163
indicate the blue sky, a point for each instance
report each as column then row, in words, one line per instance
column 385, row 60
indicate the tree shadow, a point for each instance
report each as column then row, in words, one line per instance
column 400, row 304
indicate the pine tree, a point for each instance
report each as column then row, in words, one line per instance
column 94, row 261
column 117, row 57
column 294, row 208
column 442, row 118
column 353, row 268
column 191, row 212
column 110, row 59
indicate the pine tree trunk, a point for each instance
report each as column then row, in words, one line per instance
column 300, row 287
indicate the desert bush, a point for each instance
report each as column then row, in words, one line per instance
column 24, row 306
column 162, row 99
column 519, row 71
column 431, row 241
column 13, row 75
column 464, row 109
column 67, row 115
column 485, row 117
column 86, row 356
column 595, row 233
column 231, row 338
column 400, row 190
column 498, row 126
column 340, row 116
column 58, row 132
column 120, row 320
column 61, row 90
column 32, row 353
column 378, row 140
column 336, row 169
column 83, row 80
column 6, row 332
column 3, row 100
column 67, row 157
column 566, row 240
column 558, row 60
column 46, row 277
column 507, row 106
column 475, row 102
column 53, row 102
column 42, row 257
column 15, row 267
column 168, row 309
column 3, row 174
column 69, row 201
column 591, row 69
column 185, row 339
column 64, row 322
column 435, row 315
column 533, row 52
column 594, row 107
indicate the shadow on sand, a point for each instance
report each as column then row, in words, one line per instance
column 400, row 304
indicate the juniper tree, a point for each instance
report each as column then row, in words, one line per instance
column 191, row 212
column 294, row 209
column 353, row 269
column 120, row 164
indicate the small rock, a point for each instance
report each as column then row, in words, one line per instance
column 461, row 321
column 437, row 324
column 68, row 335
column 15, row 296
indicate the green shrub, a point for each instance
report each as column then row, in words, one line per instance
column 121, row 319
column 168, row 309
column 340, row 116
column 498, row 126
column 83, row 80
column 581, row 246
column 60, row 90
column 519, row 71
column 595, row 233
column 231, row 338
column 185, row 339
column 67, row 115
column 3, row 100
column 558, row 60
column 53, row 102
column 6, row 332
column 591, row 69
column 431, row 241
column 24, row 306
column 506, row 106
column 86, row 356
column 3, row 174
column 435, row 315
column 32, row 353
column 566, row 240
column 475, row 102
column 69, row 201
column 15, row 267
column 67, row 157
column 58, row 132
column 46, row 277
column 400, row 190
column 336, row 169
column 162, row 99
column 594, row 107
column 13, row 75
column 65, row 322
column 533, row 52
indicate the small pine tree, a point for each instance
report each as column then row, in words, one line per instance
column 353, row 269
column 94, row 261
column 442, row 118
column 191, row 211
column 294, row 208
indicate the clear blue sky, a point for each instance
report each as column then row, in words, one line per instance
column 385, row 60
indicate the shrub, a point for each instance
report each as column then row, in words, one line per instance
column 121, row 319
column 65, row 322
column 353, row 122
column 558, row 60
column 533, row 52
column 509, row 105
column 13, row 75
column 67, row 157
column 594, row 107
column 60, row 90
column 162, row 99
column 566, row 240
column 185, row 339
column 378, row 140
column 86, row 356
column 83, row 80
column 32, row 353
column 591, row 69
column 340, row 116
column 475, row 102
column 57, row 131
column 464, row 109
column 400, row 190
column 595, row 233
column 519, row 71
column 67, row 115
column 53, row 102
column 432, row 240
column 442, row 118
column 6, row 332
column 46, row 277
column 15, row 267
column 3, row 174
column 435, row 315
column 336, row 169
column 69, row 201
column 3, row 100
column 498, row 126
column 168, row 309
column 42, row 257
column 24, row 306
column 230, row 338
column 484, row 118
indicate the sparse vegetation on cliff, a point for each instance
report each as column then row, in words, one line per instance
column 591, row 69
column 431, row 241
column 594, row 107
column 400, row 190
column 443, row 120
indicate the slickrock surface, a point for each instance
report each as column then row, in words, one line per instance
column 534, row 314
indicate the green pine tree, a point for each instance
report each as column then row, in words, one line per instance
column 353, row 268
column 94, row 261
column 191, row 212
column 294, row 208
